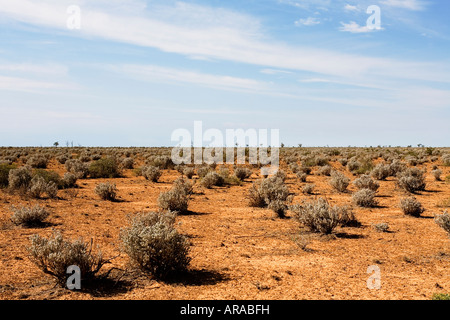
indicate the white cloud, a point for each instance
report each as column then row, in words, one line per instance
column 349, row 7
column 310, row 21
column 353, row 27
column 218, row 34
column 28, row 85
column 159, row 74
column 415, row 5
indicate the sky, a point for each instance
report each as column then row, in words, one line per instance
column 131, row 72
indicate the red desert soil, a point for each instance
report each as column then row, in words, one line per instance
column 239, row 252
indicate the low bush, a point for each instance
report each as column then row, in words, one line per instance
column 106, row 191
column 54, row 255
column 212, row 179
column 364, row 198
column 37, row 162
column 265, row 191
column 5, row 168
column 317, row 215
column 177, row 198
column 411, row 180
column 308, row 188
column 242, row 173
column 29, row 216
column 366, row 182
column 151, row 173
column 443, row 221
column 39, row 186
column 20, row 178
column 78, row 168
column 411, row 207
column 339, row 181
column 381, row 171
column 155, row 246
column 104, row 168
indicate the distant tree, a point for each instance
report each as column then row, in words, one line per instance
column 56, row 144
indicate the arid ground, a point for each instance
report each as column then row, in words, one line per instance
column 238, row 251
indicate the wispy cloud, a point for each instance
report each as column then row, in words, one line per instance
column 310, row 21
column 415, row 5
column 353, row 27
column 203, row 32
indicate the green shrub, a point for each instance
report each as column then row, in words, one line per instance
column 104, row 168
column 441, row 296
column 4, row 174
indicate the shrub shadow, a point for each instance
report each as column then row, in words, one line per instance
column 197, row 278
column 344, row 235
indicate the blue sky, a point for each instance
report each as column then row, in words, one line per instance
column 137, row 70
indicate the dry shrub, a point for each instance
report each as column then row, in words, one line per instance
column 106, row 191
column 411, row 180
column 151, row 173
column 410, row 206
column 212, row 179
column 242, row 173
column 270, row 193
column 78, row 168
column 366, row 182
column 20, row 178
column 39, row 186
column 155, row 246
column 443, row 221
column 339, row 181
column 317, row 215
column 37, row 161
column 364, row 198
column 54, row 255
column 381, row 171
column 308, row 188
column 437, row 174
column 177, row 198
column 29, row 216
